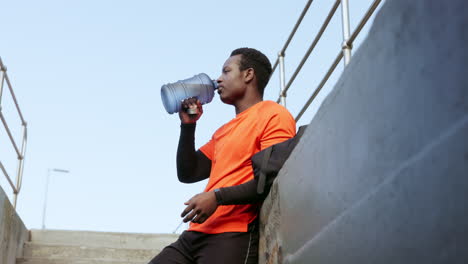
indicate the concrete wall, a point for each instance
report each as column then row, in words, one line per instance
column 13, row 233
column 381, row 174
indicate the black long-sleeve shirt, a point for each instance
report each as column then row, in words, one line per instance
column 194, row 166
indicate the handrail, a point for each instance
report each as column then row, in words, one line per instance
column 8, row 177
column 4, row 69
column 19, row 151
column 293, row 32
column 320, row 86
column 311, row 47
column 363, row 21
column 345, row 52
column 12, row 140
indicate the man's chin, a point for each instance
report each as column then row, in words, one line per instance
column 225, row 99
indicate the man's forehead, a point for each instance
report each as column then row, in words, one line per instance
column 232, row 60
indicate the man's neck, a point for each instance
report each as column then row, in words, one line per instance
column 246, row 104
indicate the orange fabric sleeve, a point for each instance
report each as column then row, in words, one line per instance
column 280, row 128
column 208, row 149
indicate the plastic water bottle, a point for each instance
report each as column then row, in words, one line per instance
column 200, row 86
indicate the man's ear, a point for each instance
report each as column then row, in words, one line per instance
column 249, row 75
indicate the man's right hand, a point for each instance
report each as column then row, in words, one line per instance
column 190, row 103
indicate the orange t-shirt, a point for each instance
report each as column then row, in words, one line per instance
column 230, row 149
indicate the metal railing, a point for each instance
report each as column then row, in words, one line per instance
column 345, row 51
column 19, row 151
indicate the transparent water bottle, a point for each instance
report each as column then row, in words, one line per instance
column 200, row 86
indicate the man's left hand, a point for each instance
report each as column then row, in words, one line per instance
column 200, row 207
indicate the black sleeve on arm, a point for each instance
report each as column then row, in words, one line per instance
column 192, row 166
column 245, row 193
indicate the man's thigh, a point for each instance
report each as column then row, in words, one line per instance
column 170, row 255
column 229, row 248
column 199, row 248
column 178, row 252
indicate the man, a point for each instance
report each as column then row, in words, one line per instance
column 223, row 218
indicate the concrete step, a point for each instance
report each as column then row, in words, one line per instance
column 74, row 261
column 34, row 250
column 102, row 239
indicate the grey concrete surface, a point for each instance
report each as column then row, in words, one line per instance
column 102, row 239
column 270, row 249
column 380, row 175
column 13, row 233
column 88, row 247
column 416, row 215
column 88, row 253
column 75, row 261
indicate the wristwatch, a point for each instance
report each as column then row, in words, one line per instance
column 219, row 199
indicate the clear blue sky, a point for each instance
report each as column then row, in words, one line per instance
column 87, row 75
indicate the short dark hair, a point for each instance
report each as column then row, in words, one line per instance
column 252, row 58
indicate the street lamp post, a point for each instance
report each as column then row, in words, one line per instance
column 46, row 191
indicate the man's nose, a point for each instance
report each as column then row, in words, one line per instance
column 219, row 80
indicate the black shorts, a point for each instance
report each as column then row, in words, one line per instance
column 199, row 248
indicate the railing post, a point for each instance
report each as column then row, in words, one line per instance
column 19, row 175
column 345, row 19
column 2, row 78
column 282, row 79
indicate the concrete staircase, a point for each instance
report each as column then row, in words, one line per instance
column 83, row 247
